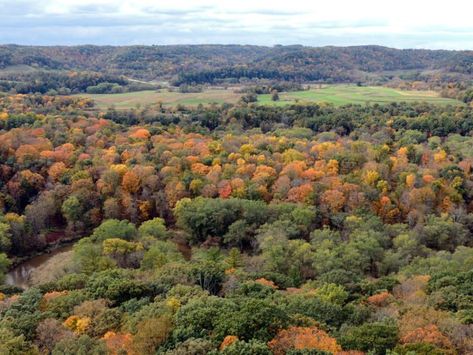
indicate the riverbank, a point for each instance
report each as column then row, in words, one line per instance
column 17, row 260
column 22, row 274
column 55, row 261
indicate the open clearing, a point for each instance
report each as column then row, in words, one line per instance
column 132, row 99
column 352, row 94
column 335, row 94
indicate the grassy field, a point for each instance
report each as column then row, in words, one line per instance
column 352, row 94
column 335, row 94
column 131, row 99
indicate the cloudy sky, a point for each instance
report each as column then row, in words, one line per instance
column 399, row 23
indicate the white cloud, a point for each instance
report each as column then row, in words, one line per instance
column 401, row 23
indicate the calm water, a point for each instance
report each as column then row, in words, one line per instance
column 20, row 274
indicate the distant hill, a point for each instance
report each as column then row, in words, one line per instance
column 215, row 63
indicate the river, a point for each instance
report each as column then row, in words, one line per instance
column 20, row 275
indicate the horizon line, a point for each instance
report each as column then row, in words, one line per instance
column 228, row 45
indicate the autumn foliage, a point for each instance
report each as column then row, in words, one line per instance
column 241, row 228
column 303, row 338
column 227, row 341
column 428, row 334
column 77, row 324
column 379, row 299
column 266, row 282
column 119, row 343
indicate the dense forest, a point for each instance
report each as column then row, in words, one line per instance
column 67, row 82
column 236, row 229
column 197, row 64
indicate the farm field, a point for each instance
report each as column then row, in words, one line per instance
column 131, row 99
column 351, row 94
column 334, row 94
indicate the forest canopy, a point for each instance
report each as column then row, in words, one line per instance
column 193, row 64
column 234, row 228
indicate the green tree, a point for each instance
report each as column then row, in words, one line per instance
column 11, row 344
column 369, row 249
column 376, row 337
column 160, row 253
column 118, row 285
column 290, row 257
column 204, row 217
column 252, row 319
column 154, row 227
column 192, row 347
column 332, row 293
column 419, row 349
column 233, row 259
column 88, row 257
column 209, row 275
column 83, row 345
column 5, row 237
column 125, row 253
column 199, row 317
column 442, row 233
column 330, row 314
column 113, row 228
column 72, row 209
column 4, row 264
column 252, row 347
column 23, row 316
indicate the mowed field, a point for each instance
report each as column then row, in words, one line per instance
column 352, row 94
column 334, row 94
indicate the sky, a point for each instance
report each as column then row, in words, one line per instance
column 430, row 24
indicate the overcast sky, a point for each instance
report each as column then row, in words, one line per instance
column 398, row 23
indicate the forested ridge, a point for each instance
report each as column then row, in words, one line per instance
column 213, row 63
column 237, row 229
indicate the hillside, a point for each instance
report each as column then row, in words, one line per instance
column 212, row 63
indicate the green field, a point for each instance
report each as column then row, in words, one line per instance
column 352, row 94
column 335, row 94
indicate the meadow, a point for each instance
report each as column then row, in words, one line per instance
column 167, row 98
column 334, row 94
column 352, row 94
